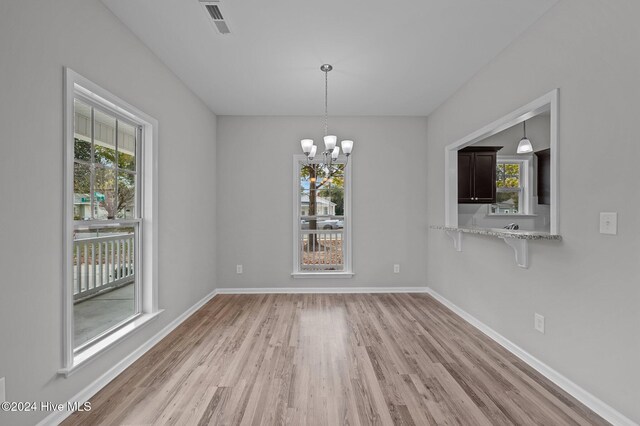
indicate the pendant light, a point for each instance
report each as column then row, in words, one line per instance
column 524, row 147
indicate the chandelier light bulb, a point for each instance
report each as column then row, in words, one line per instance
column 347, row 146
column 306, row 145
column 330, row 142
column 335, row 153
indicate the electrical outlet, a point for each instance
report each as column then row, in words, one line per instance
column 3, row 395
column 238, row 269
column 396, row 268
column 609, row 223
column 538, row 322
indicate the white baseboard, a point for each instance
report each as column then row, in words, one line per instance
column 84, row 395
column 323, row 290
column 596, row 405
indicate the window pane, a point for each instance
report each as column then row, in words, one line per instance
column 508, row 175
column 126, row 146
column 322, row 190
column 105, row 193
column 322, row 223
column 304, row 203
column 82, row 131
column 322, row 250
column 104, row 138
column 512, row 182
column 103, row 280
column 126, row 196
column 331, row 199
column 322, row 202
column 508, row 202
column 81, row 191
column 512, row 169
column 319, row 176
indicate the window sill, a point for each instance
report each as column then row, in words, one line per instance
column 90, row 353
column 322, row 275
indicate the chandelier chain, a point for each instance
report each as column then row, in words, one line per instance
column 331, row 152
column 326, row 103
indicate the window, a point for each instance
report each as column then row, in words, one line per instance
column 109, row 235
column 513, row 189
column 322, row 241
column 106, row 229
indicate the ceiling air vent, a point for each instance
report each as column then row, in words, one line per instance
column 215, row 13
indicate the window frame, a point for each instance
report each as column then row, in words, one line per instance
column 525, row 207
column 298, row 161
column 79, row 87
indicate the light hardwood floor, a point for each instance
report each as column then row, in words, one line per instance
column 330, row 359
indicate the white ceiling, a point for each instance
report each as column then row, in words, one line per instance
column 400, row 57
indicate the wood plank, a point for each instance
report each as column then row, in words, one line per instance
column 330, row 359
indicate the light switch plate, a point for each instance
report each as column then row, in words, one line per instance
column 3, row 395
column 609, row 223
column 396, row 268
column 238, row 269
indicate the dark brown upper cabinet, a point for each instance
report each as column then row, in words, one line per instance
column 544, row 176
column 477, row 175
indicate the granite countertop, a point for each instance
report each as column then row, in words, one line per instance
column 500, row 232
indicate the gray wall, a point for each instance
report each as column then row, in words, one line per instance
column 255, row 217
column 538, row 132
column 586, row 286
column 36, row 40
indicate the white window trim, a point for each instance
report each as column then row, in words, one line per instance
column 75, row 83
column 526, row 184
column 348, row 269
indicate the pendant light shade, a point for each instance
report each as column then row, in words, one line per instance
column 524, row 147
column 312, row 154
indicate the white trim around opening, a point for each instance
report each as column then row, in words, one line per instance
column 547, row 102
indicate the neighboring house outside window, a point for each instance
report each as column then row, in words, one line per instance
column 327, row 206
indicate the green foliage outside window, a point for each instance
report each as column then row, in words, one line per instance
column 508, row 185
column 508, row 175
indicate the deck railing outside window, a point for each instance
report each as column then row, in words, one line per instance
column 102, row 263
column 321, row 250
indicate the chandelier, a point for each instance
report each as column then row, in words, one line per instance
column 331, row 151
